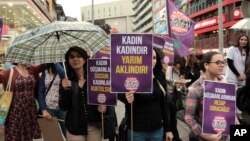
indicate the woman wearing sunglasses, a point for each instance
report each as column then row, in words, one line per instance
column 81, row 118
column 212, row 64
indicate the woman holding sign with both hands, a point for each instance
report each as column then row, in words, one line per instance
column 212, row 64
column 151, row 114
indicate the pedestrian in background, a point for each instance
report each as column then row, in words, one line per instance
column 21, row 123
column 192, row 70
column 48, row 93
column 81, row 119
column 236, row 60
column 212, row 64
column 175, row 76
column 150, row 112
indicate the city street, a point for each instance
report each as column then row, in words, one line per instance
column 182, row 127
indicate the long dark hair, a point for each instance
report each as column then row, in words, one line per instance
column 50, row 68
column 247, row 47
column 182, row 62
column 70, row 71
column 158, row 69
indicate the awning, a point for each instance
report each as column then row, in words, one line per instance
column 212, row 28
column 243, row 24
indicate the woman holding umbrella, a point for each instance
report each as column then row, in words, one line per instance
column 81, row 118
column 21, row 123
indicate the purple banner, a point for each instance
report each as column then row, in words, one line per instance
column 131, row 63
column 99, row 83
column 219, row 107
column 167, row 46
column 1, row 28
column 182, row 29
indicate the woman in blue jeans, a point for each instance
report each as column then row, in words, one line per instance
column 151, row 120
column 48, row 95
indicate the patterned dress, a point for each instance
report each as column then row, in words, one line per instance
column 22, row 122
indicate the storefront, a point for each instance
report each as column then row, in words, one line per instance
column 18, row 16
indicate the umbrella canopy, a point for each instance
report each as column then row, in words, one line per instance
column 49, row 43
column 243, row 24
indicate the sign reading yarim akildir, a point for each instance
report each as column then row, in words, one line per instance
column 131, row 63
column 99, row 82
column 167, row 46
column 218, row 107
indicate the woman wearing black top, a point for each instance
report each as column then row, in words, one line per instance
column 150, row 113
column 81, row 118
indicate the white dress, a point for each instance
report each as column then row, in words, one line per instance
column 239, row 63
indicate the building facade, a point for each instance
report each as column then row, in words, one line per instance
column 143, row 16
column 205, row 14
column 117, row 14
column 20, row 15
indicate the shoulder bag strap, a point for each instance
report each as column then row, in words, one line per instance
column 9, row 80
column 161, row 87
column 47, row 90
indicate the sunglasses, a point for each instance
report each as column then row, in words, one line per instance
column 75, row 56
column 218, row 62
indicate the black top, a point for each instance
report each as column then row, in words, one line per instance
column 150, row 111
column 79, row 113
column 230, row 63
column 192, row 72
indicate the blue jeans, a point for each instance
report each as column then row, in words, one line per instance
column 60, row 115
column 156, row 135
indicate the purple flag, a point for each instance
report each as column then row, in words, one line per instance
column 1, row 26
column 182, row 29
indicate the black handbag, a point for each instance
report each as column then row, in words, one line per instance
column 242, row 100
column 109, row 126
column 178, row 100
column 123, row 129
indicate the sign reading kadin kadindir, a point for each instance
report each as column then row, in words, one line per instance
column 131, row 63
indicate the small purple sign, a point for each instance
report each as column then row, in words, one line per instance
column 167, row 46
column 131, row 63
column 99, row 83
column 219, row 107
column 1, row 28
column 103, row 53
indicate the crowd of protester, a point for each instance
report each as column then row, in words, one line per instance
column 64, row 95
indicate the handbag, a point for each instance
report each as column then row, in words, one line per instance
column 178, row 100
column 5, row 100
column 123, row 129
column 109, row 126
column 242, row 100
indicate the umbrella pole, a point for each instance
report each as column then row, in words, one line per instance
column 65, row 70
